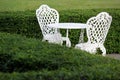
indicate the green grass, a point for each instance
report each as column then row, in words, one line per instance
column 22, row 5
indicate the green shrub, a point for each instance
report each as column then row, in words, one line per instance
column 24, row 58
column 25, row 23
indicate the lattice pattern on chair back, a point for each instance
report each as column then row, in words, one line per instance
column 47, row 15
column 98, row 27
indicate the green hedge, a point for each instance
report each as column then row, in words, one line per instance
column 24, row 58
column 25, row 23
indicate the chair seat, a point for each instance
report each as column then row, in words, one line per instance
column 91, row 48
column 53, row 38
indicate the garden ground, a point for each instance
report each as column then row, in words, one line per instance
column 114, row 55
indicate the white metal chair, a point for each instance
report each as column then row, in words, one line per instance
column 96, row 32
column 45, row 16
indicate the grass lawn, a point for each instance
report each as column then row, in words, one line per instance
column 22, row 5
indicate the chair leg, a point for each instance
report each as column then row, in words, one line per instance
column 67, row 40
column 43, row 39
column 68, row 43
column 102, row 48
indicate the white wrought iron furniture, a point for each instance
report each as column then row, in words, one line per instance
column 45, row 16
column 96, row 32
column 67, row 26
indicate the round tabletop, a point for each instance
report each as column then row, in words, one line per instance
column 68, row 25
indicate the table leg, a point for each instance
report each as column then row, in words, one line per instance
column 67, row 33
column 81, row 38
column 68, row 42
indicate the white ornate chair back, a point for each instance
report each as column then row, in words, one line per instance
column 47, row 15
column 98, row 28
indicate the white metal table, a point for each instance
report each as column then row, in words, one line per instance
column 68, row 26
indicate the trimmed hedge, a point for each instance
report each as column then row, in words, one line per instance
column 25, row 23
column 24, row 58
